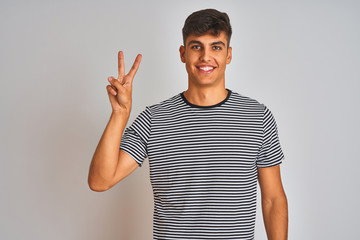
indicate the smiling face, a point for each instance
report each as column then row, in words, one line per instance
column 205, row 58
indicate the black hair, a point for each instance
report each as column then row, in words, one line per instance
column 207, row 21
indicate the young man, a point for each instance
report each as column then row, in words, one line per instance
column 207, row 146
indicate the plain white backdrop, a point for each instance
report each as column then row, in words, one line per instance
column 300, row 58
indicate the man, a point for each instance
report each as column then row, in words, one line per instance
column 207, row 146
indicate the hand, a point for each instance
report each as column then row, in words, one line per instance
column 120, row 89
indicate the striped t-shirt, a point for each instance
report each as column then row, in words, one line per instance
column 203, row 164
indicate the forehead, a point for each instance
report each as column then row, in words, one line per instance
column 207, row 38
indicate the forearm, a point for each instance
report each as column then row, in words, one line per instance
column 275, row 214
column 106, row 156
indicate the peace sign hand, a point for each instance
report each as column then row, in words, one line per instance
column 120, row 89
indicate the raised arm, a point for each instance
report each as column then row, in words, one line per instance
column 274, row 203
column 109, row 164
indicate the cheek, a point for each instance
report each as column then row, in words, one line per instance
column 188, row 67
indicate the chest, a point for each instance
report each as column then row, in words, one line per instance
column 203, row 144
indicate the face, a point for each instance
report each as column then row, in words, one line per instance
column 205, row 58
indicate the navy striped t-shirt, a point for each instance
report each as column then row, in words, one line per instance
column 203, row 164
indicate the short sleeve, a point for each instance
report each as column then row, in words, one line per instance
column 135, row 137
column 270, row 153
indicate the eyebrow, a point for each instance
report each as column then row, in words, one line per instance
column 217, row 43
column 200, row 43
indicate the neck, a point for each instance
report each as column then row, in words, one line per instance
column 205, row 96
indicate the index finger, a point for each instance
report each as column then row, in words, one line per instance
column 135, row 66
column 121, row 65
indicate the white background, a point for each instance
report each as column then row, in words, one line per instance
column 300, row 58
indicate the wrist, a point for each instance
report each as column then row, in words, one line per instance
column 122, row 108
column 119, row 118
column 121, row 112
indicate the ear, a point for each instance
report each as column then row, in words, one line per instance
column 229, row 55
column 182, row 53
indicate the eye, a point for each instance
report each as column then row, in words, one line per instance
column 217, row 48
column 196, row 47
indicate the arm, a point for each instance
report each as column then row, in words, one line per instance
column 274, row 203
column 109, row 164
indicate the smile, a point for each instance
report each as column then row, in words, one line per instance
column 206, row 69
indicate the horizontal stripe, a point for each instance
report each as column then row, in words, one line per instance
column 203, row 164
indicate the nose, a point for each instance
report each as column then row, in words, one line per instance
column 205, row 55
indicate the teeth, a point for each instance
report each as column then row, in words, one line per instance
column 206, row 68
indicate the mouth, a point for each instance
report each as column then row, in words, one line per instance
column 205, row 69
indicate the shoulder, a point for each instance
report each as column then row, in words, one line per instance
column 256, row 109
column 169, row 105
column 245, row 102
column 160, row 111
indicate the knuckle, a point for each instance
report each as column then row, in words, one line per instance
column 116, row 83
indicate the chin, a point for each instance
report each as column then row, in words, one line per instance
column 206, row 82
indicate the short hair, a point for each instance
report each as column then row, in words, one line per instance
column 207, row 21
